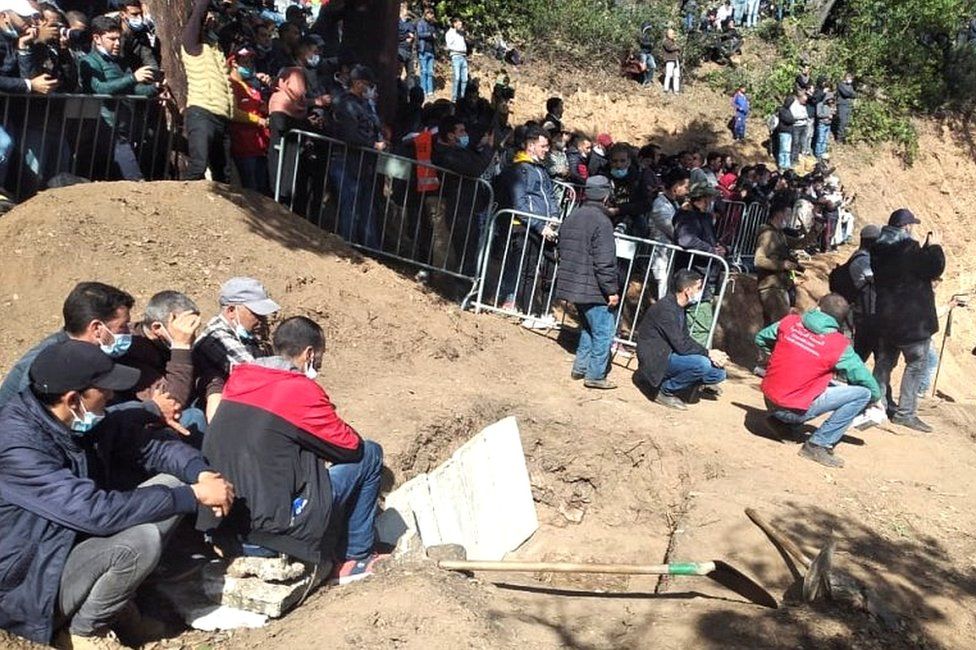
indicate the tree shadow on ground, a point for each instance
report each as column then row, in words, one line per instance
column 698, row 135
column 903, row 572
column 276, row 222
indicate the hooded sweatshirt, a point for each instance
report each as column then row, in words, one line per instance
column 807, row 351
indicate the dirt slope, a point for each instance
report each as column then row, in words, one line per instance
column 615, row 477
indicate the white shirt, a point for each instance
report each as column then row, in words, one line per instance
column 455, row 42
column 723, row 13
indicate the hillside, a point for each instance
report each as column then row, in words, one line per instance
column 615, row 478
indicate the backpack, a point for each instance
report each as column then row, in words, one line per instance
column 841, row 282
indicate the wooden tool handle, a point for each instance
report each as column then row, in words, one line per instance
column 688, row 569
column 779, row 538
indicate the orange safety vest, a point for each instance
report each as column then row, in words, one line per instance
column 427, row 180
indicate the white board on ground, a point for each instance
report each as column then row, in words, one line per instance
column 480, row 498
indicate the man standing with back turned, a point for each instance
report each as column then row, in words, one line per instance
column 587, row 277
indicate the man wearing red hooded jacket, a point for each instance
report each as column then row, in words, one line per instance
column 275, row 431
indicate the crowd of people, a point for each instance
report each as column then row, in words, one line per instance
column 113, row 432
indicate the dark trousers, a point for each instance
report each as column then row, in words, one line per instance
column 865, row 336
column 208, row 144
column 102, row 574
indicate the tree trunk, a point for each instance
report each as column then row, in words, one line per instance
column 370, row 31
column 821, row 10
column 170, row 16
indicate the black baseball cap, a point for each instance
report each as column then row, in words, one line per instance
column 77, row 365
column 902, row 217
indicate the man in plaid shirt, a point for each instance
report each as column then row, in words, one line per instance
column 238, row 334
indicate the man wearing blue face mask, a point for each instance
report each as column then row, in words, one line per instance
column 238, row 334
column 669, row 360
column 629, row 200
column 77, row 542
column 95, row 313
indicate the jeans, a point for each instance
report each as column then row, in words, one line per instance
column 195, row 421
column 808, row 137
column 651, row 68
column 44, row 155
column 843, row 119
column 253, row 171
column 689, row 21
column 739, row 127
column 799, row 139
column 426, row 72
column 351, row 174
column 843, row 402
column 355, row 488
column 102, row 574
column 752, row 13
column 208, row 145
column 459, row 67
column 6, row 151
column 820, row 144
column 127, row 162
column 885, row 359
column 596, row 337
column 784, row 158
column 689, row 370
column 739, row 11
column 672, row 76
column 931, row 365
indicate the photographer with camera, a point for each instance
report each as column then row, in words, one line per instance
column 102, row 73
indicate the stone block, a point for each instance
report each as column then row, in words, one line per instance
column 479, row 498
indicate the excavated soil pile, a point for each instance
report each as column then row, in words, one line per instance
column 615, row 478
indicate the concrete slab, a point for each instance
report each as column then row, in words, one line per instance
column 480, row 498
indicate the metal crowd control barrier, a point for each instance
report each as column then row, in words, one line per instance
column 568, row 195
column 98, row 137
column 519, row 267
column 737, row 228
column 385, row 204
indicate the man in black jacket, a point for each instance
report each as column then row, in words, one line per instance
column 845, row 105
column 78, row 536
column 904, row 311
column 587, row 277
column 668, row 358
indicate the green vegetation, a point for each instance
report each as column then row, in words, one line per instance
column 909, row 57
column 586, row 31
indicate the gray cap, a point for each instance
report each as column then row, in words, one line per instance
column 597, row 188
column 870, row 231
column 249, row 293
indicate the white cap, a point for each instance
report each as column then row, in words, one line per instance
column 19, row 7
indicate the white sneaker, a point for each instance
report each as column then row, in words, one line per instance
column 546, row 322
column 759, row 371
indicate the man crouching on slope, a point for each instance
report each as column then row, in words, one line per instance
column 274, row 430
column 807, row 351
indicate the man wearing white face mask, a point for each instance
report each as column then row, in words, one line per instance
column 669, row 360
column 236, row 335
column 82, row 536
column 274, row 429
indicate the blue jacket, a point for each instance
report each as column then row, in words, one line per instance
column 532, row 191
column 56, row 488
column 426, row 37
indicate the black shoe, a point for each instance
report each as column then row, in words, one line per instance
column 600, row 384
column 820, row 455
column 912, row 422
column 671, row 401
column 711, row 392
column 576, row 376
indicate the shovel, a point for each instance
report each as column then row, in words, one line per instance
column 722, row 573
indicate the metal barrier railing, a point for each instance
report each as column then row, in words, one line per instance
column 568, row 195
column 519, row 269
column 737, row 228
column 98, row 137
column 387, row 205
